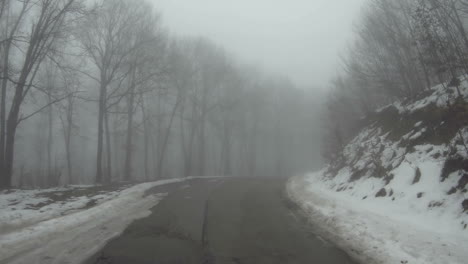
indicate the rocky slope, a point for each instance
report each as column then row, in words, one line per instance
column 398, row 193
column 413, row 155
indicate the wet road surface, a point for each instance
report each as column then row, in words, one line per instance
column 222, row 221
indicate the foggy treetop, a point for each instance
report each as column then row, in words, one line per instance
column 302, row 39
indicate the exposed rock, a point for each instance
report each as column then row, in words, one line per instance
column 452, row 165
column 463, row 181
column 452, row 191
column 389, row 178
column 417, row 176
column 465, row 205
column 435, row 204
column 381, row 193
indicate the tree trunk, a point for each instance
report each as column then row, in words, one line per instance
column 227, row 170
column 166, row 138
column 68, row 154
column 253, row 150
column 9, row 151
column 108, row 149
column 202, row 131
column 154, row 151
column 3, row 181
column 186, row 147
column 159, row 120
column 190, row 159
column 182, row 139
column 50, row 173
column 67, row 128
column 129, row 142
column 202, row 149
column 12, row 125
column 102, row 108
column 5, row 175
column 146, row 133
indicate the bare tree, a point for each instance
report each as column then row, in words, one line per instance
column 146, row 66
column 104, row 38
column 9, row 34
column 67, row 121
column 48, row 24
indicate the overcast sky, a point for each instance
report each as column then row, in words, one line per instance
column 299, row 38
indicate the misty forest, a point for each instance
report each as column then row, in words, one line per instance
column 100, row 92
column 154, row 144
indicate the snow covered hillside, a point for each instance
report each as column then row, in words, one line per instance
column 68, row 225
column 398, row 191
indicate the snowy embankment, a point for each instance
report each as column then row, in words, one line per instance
column 373, row 232
column 22, row 208
column 70, row 231
column 398, row 192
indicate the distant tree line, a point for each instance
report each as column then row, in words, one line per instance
column 99, row 92
column 402, row 48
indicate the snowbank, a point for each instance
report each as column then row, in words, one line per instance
column 21, row 208
column 409, row 180
column 398, row 192
column 74, row 237
column 378, row 231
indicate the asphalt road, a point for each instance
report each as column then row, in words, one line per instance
column 229, row 221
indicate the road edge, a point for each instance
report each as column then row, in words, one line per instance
column 294, row 190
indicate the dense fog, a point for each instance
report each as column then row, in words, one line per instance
column 108, row 91
column 119, row 90
column 245, row 131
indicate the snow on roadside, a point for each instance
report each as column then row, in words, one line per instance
column 75, row 237
column 373, row 231
column 21, row 208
